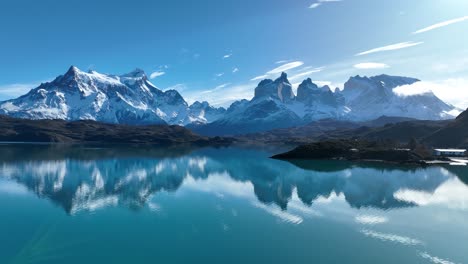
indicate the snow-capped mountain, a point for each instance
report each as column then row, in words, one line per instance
column 125, row 99
column 203, row 113
column 370, row 98
column 132, row 99
column 276, row 106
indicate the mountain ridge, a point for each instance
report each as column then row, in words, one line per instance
column 132, row 99
column 118, row 99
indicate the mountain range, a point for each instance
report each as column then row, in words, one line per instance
column 126, row 99
column 130, row 99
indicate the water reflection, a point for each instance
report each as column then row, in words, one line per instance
column 86, row 179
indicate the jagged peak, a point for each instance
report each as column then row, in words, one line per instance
column 203, row 103
column 136, row 73
column 172, row 92
column 358, row 77
column 265, row 82
column 326, row 88
column 283, row 78
column 73, row 70
column 307, row 82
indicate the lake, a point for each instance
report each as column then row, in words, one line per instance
column 102, row 204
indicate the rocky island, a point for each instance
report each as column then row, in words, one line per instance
column 360, row 150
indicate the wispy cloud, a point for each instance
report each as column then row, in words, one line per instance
column 315, row 5
column 442, row 24
column 224, row 85
column 286, row 67
column 261, row 77
column 16, row 89
column 9, row 91
column 397, row 46
column 222, row 96
column 219, row 74
column 320, row 2
column 235, row 70
column 282, row 61
column 156, row 74
column 305, row 74
column 370, row 65
column 227, row 56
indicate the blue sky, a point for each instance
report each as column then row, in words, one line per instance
column 218, row 50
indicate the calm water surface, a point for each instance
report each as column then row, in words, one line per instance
column 140, row 205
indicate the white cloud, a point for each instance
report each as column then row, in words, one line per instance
column 315, row 5
column 224, row 85
column 320, row 2
column 219, row 74
column 453, row 91
column 305, row 74
column 156, row 74
column 17, row 89
column 442, row 24
column 286, row 67
column 235, row 70
column 222, row 97
column 282, row 61
column 370, row 65
column 397, row 46
column 227, row 56
column 261, row 77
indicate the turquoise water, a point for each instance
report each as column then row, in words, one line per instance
column 230, row 205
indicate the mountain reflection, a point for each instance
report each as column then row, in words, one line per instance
column 82, row 179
